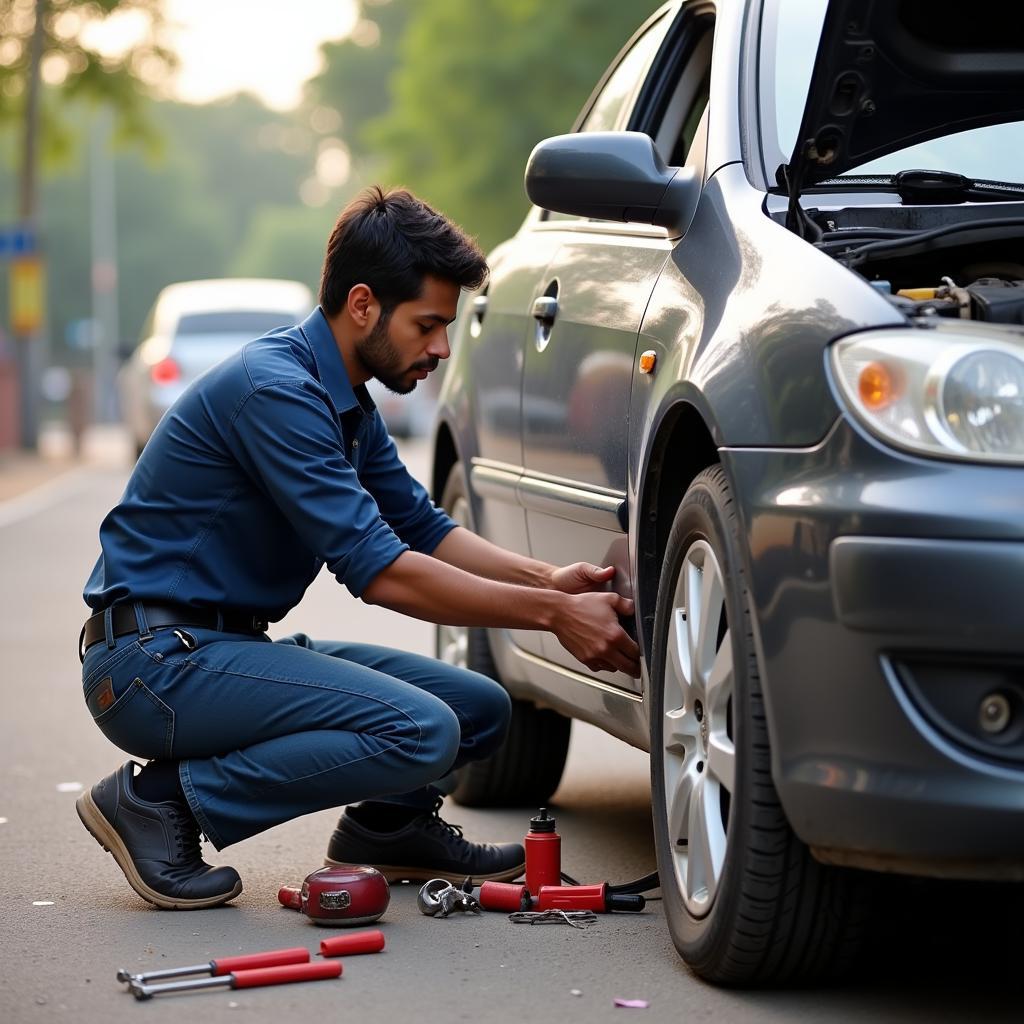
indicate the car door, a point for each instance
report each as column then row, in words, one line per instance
column 579, row 362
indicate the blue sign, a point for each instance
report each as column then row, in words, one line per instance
column 17, row 240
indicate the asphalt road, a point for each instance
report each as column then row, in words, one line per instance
column 69, row 920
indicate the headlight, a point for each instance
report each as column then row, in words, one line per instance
column 955, row 391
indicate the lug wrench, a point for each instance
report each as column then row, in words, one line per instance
column 253, row 978
column 222, row 965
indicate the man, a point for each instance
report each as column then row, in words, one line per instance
column 269, row 466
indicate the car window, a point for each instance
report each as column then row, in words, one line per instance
column 610, row 108
column 252, row 322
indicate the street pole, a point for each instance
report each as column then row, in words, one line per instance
column 27, row 345
column 104, row 269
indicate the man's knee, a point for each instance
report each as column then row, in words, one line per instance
column 438, row 738
column 491, row 711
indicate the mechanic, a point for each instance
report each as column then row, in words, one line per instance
column 267, row 467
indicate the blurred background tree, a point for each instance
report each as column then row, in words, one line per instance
column 450, row 97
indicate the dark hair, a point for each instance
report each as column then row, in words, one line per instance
column 390, row 241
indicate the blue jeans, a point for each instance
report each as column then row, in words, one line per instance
column 268, row 730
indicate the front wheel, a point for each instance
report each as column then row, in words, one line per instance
column 745, row 901
column 526, row 769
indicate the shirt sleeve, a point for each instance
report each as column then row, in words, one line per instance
column 403, row 501
column 288, row 440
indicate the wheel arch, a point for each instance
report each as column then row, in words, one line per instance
column 683, row 446
column 445, row 456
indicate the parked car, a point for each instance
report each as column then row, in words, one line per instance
column 192, row 326
column 758, row 344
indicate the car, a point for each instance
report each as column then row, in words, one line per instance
column 758, row 345
column 192, row 326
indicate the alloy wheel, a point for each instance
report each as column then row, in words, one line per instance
column 699, row 756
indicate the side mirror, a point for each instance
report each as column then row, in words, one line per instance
column 611, row 176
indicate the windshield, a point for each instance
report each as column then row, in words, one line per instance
column 789, row 41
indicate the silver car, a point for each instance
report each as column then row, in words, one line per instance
column 192, row 326
column 759, row 345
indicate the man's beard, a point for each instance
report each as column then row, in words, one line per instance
column 380, row 356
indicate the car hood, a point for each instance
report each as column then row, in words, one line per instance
column 890, row 73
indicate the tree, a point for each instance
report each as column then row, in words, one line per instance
column 472, row 86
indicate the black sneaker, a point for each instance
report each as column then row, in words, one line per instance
column 428, row 847
column 156, row 845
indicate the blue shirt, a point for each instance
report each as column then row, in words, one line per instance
column 269, row 466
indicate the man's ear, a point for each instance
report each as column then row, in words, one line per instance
column 362, row 306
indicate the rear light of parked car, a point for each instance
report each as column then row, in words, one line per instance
column 166, row 371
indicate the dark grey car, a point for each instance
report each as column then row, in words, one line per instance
column 746, row 351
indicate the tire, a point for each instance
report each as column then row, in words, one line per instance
column 746, row 904
column 526, row 769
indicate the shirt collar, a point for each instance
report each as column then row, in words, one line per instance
column 331, row 367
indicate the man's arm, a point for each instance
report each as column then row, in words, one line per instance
column 586, row 624
column 471, row 552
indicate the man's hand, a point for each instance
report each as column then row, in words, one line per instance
column 588, row 628
column 581, row 578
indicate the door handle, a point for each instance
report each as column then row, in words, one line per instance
column 545, row 309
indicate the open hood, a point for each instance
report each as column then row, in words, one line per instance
column 890, row 73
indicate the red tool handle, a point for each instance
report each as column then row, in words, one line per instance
column 349, row 945
column 285, row 973
column 290, row 896
column 504, row 896
column 272, row 958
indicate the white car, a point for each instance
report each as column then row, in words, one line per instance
column 192, row 326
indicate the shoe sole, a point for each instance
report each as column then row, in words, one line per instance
column 105, row 834
column 394, row 873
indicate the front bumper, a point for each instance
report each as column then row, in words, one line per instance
column 888, row 595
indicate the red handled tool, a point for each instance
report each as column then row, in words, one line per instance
column 587, row 897
column 350, row 945
column 543, row 847
column 254, row 978
column 223, row 965
column 504, row 896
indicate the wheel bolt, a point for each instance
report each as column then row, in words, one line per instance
column 700, row 766
column 698, row 710
column 994, row 713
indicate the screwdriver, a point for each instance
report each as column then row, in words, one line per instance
column 252, row 978
column 222, row 965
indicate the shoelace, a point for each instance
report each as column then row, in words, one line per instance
column 435, row 821
column 186, row 835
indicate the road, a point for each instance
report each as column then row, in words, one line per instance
column 69, row 920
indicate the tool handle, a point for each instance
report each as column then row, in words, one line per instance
column 349, row 945
column 290, row 896
column 285, row 973
column 271, row 958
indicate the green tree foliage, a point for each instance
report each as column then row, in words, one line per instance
column 76, row 71
column 473, row 86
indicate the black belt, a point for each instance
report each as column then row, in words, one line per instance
column 123, row 621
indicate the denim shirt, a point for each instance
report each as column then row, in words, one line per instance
column 266, row 468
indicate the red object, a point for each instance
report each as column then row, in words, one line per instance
column 587, row 897
column 504, row 896
column 350, row 945
column 285, row 973
column 273, row 958
column 166, row 371
column 543, row 853
column 339, row 896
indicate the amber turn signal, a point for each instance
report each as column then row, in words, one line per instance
column 877, row 386
column 647, row 361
